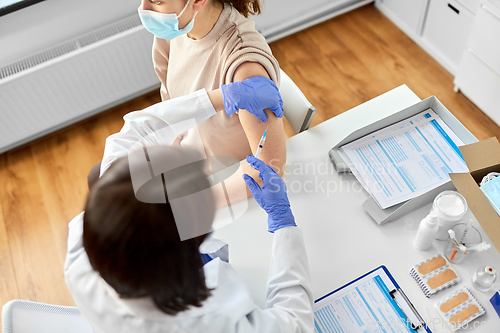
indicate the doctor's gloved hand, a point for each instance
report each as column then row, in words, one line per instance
column 254, row 95
column 271, row 196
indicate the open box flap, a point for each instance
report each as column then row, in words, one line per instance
column 481, row 154
column 479, row 205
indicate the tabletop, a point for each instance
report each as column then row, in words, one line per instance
column 342, row 241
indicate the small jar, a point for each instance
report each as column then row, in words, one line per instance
column 450, row 207
column 484, row 278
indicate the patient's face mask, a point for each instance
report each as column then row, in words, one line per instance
column 491, row 188
column 164, row 26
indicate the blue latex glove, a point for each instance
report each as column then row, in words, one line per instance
column 254, row 95
column 271, row 196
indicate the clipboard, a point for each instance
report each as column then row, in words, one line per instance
column 373, row 301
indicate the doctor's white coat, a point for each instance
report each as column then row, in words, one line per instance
column 230, row 308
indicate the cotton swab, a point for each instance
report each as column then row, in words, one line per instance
column 479, row 247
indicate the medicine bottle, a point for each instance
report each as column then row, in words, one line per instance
column 450, row 207
column 484, row 278
column 426, row 231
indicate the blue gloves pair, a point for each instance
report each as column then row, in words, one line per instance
column 254, row 95
column 271, row 196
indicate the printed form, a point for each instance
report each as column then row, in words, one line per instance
column 406, row 159
column 365, row 306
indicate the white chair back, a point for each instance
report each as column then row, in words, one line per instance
column 31, row 317
column 298, row 111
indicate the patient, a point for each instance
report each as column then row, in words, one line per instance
column 216, row 44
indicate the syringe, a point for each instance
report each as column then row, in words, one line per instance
column 259, row 149
column 261, row 144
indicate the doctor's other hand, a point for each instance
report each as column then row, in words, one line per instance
column 271, row 196
column 254, row 95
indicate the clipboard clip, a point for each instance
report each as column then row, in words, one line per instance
column 404, row 303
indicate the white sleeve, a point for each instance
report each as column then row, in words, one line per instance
column 289, row 294
column 160, row 123
column 75, row 241
column 289, row 304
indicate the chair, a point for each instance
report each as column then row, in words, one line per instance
column 298, row 111
column 31, row 317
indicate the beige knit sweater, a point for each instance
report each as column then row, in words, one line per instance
column 184, row 65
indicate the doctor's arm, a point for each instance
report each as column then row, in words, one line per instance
column 161, row 123
column 289, row 296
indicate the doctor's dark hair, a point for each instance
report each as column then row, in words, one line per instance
column 136, row 248
column 245, row 7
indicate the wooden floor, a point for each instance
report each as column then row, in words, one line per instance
column 338, row 65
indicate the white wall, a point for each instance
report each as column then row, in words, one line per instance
column 281, row 18
column 50, row 22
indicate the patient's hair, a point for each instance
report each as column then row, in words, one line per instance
column 245, row 7
column 136, row 248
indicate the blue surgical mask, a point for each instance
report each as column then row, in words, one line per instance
column 491, row 188
column 164, row 26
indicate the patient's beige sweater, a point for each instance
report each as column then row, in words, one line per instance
column 184, row 65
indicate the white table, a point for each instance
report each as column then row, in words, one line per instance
column 342, row 240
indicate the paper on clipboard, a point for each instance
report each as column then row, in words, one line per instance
column 406, row 159
column 373, row 302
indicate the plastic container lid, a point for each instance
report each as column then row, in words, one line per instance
column 450, row 204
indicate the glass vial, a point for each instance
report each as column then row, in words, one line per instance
column 484, row 278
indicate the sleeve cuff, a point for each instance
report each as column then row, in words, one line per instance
column 206, row 104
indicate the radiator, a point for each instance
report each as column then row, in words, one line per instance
column 74, row 80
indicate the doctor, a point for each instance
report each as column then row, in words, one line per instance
column 128, row 270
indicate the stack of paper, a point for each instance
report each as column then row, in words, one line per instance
column 406, row 159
